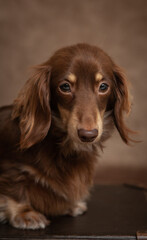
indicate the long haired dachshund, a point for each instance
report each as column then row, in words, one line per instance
column 50, row 137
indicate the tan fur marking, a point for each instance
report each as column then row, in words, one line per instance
column 98, row 77
column 100, row 125
column 72, row 78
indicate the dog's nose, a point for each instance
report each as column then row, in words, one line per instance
column 87, row 135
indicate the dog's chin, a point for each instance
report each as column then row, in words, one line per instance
column 79, row 145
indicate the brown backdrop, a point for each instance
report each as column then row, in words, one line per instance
column 31, row 30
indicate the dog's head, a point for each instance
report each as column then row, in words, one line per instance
column 79, row 86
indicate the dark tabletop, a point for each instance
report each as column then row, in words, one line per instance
column 114, row 212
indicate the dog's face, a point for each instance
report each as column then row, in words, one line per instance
column 79, row 85
column 81, row 90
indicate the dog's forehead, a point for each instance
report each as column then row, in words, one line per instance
column 81, row 71
column 87, row 68
column 90, row 63
column 81, row 64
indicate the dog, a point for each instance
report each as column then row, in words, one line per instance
column 50, row 137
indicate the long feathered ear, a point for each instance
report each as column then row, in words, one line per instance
column 33, row 109
column 122, row 104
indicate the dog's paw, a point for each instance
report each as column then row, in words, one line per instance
column 78, row 209
column 29, row 220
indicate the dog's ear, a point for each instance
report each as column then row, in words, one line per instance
column 33, row 109
column 121, row 104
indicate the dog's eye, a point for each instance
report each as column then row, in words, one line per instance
column 65, row 87
column 103, row 87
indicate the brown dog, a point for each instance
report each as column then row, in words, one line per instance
column 50, row 136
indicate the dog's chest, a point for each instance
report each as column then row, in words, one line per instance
column 61, row 184
column 76, row 176
column 55, row 197
column 71, row 183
